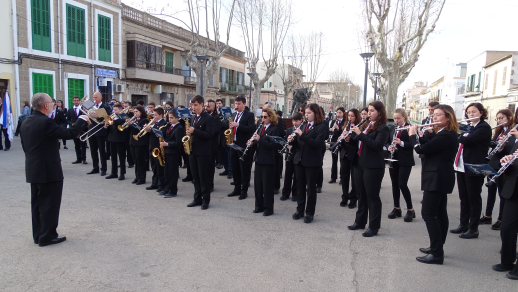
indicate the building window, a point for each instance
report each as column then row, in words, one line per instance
column 76, row 31
column 76, row 87
column 104, row 35
column 143, row 55
column 487, row 80
column 42, row 83
column 40, row 17
column 494, row 82
column 169, row 62
column 503, row 75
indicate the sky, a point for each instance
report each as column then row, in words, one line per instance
column 465, row 29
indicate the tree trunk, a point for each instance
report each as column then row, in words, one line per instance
column 391, row 95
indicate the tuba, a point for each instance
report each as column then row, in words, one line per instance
column 187, row 142
column 229, row 133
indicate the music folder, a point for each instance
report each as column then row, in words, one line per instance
column 123, row 116
column 278, row 140
column 484, row 169
column 88, row 104
column 236, row 147
column 158, row 132
column 101, row 113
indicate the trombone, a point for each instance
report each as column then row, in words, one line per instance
column 86, row 135
column 143, row 131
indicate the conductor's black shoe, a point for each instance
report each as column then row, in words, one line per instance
column 204, row 206
column 430, row 259
column 131, row 165
column 284, row 198
column 319, row 190
column 469, row 234
column 103, row 172
column 93, row 171
column 297, row 216
column 258, row 210
column 194, row 204
column 410, row 215
column 425, row 250
column 134, row 181
column 152, row 187
column 293, row 199
column 54, row 241
column 122, row 177
column 243, row 196
column 84, row 162
column 496, row 226
column 187, row 179
column 485, row 220
column 502, row 268
column 268, row 213
column 233, row 194
column 169, row 195
column 332, row 181
column 459, row 230
column 395, row 213
column 356, row 226
column 370, row 232
column 308, row 219
column 352, row 204
column 77, row 161
column 223, row 173
column 111, row 176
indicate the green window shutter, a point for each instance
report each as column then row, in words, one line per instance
column 479, row 78
column 40, row 14
column 42, row 83
column 220, row 74
column 76, row 87
column 104, row 36
column 169, row 62
column 76, row 31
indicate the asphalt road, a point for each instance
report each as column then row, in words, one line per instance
column 121, row 237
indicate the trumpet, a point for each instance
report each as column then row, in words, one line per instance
column 229, row 133
column 143, row 131
column 112, row 117
column 186, row 140
column 242, row 158
column 127, row 124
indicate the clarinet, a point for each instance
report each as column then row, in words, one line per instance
column 393, row 144
column 242, row 158
column 344, row 135
column 501, row 144
column 285, row 148
column 501, row 171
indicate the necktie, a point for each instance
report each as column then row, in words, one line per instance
column 361, row 144
column 459, row 152
column 170, row 129
column 76, row 109
column 98, row 105
column 237, row 121
column 262, row 132
column 196, row 121
column 156, row 123
column 52, row 116
column 338, row 124
column 307, row 128
column 399, row 137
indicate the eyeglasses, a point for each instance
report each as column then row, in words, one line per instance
column 472, row 113
column 264, row 117
column 499, row 119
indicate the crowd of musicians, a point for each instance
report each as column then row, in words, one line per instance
column 358, row 141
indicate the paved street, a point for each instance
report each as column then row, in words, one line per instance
column 123, row 238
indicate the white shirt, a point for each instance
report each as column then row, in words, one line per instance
column 52, row 113
column 239, row 115
column 77, row 110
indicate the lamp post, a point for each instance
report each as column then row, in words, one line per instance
column 357, row 95
column 250, row 74
column 376, row 76
column 203, row 59
column 349, row 95
column 366, row 57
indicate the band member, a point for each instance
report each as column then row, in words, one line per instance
column 43, row 167
column 223, row 149
column 308, row 161
column 129, row 155
column 264, row 158
column 281, row 126
column 72, row 115
column 202, row 133
column 335, row 130
column 243, row 126
column 364, row 113
column 172, row 145
column 437, row 178
column 98, row 141
column 140, row 146
column 157, row 180
column 400, row 169
column 210, row 108
column 503, row 116
column 473, row 149
column 290, row 179
column 348, row 154
column 369, row 168
column 320, row 174
column 118, row 145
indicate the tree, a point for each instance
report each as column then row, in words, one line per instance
column 345, row 95
column 396, row 35
column 312, row 64
column 293, row 56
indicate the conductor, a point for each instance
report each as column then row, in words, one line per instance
column 40, row 142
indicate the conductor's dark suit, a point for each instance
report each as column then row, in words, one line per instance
column 40, row 142
column 241, row 169
column 80, row 147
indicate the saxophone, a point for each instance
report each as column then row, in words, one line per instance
column 187, row 142
column 229, row 133
column 159, row 153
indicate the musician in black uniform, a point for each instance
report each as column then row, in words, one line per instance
column 129, row 154
column 503, row 116
column 281, row 126
column 473, row 149
column 202, row 134
column 210, row 108
column 243, row 127
column 172, row 146
column 98, row 140
column 184, row 156
column 400, row 170
column 290, row 179
column 265, row 162
column 336, row 129
column 140, row 146
column 117, row 139
column 157, row 180
column 369, row 168
column 437, row 179
column 348, row 154
column 308, row 160
column 72, row 115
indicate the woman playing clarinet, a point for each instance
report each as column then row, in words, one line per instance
column 348, row 153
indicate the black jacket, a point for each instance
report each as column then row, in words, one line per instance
column 289, row 157
column 153, row 139
column 144, row 140
column 203, row 135
column 114, row 135
column 217, row 131
column 476, row 145
column 310, row 145
column 437, row 173
column 337, row 132
column 372, row 149
column 281, row 127
column 404, row 154
column 173, row 139
column 40, row 142
column 71, row 116
column 510, row 175
column 265, row 148
column 246, row 128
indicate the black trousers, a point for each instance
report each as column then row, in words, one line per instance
column 241, row 170
column 98, row 151
column 129, row 152
column 45, row 205
column 368, row 184
column 290, row 181
column 399, row 176
column 509, row 229
column 6, row 138
column 435, row 216
column 306, row 178
column 213, row 167
column 201, row 176
column 263, row 186
column 491, row 197
column 279, row 161
column 141, row 153
column 334, row 166
column 346, row 173
column 470, row 189
column 80, row 148
column 320, row 174
column 118, row 149
column 171, row 173
column 158, row 171
column 186, row 163
column 108, row 151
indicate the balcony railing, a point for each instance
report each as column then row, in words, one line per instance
column 153, row 67
column 232, row 87
column 190, row 80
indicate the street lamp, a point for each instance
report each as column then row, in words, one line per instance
column 366, row 57
column 349, row 95
column 356, row 100
column 250, row 74
column 203, row 59
column 376, row 76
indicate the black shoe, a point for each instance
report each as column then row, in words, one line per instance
column 485, row 220
column 352, row 204
column 134, row 181
column 84, row 162
column 65, row 147
column 169, row 195
column 7, row 149
column 258, row 210
column 111, row 176
column 513, row 275
column 496, row 226
column 152, row 187
column 395, row 213
column 370, row 232
column 233, row 194
column 232, row 183
column 162, row 193
column 293, row 199
column 140, row 182
column 103, row 172
column 54, row 241
column 297, row 216
column 219, row 166
column 93, row 171
column 230, row 176
column 223, row 173
column 243, row 196
column 187, row 179
column 268, row 213
column 275, row 192
column 502, row 268
column 284, row 198
column 159, row 190
column 459, row 230
column 356, row 226
column 469, row 234
column 430, row 259
column 319, row 190
column 308, row 219
column 122, row 177
column 77, row 161
column 131, row 165
column 332, row 181
column 204, row 206
column 343, row 203
column 340, row 183
column 425, row 250
column 107, row 157
column 194, row 204
column 410, row 215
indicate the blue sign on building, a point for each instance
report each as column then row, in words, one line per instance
column 106, row 73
